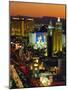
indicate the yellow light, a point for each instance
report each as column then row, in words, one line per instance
column 35, row 64
column 37, row 60
column 15, row 18
column 31, row 67
column 45, row 81
column 17, row 46
column 36, row 68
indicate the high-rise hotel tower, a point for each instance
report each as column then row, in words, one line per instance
column 57, row 37
column 50, row 38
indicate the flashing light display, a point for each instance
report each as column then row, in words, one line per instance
column 38, row 40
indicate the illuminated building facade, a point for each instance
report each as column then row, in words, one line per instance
column 21, row 26
column 28, row 26
column 57, row 37
column 50, row 37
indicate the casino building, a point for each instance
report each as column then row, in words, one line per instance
column 57, row 37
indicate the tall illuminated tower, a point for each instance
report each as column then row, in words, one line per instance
column 57, row 37
column 50, row 37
